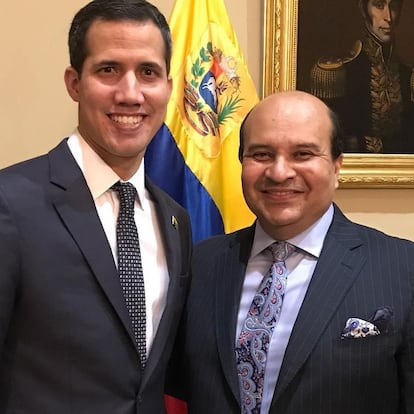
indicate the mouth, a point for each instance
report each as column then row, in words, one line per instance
column 280, row 194
column 386, row 30
column 126, row 119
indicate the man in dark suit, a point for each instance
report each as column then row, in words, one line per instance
column 67, row 339
column 342, row 323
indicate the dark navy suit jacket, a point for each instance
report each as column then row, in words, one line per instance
column 66, row 343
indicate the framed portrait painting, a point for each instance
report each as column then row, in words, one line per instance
column 301, row 35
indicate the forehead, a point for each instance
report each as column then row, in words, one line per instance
column 396, row 4
column 288, row 142
column 288, row 130
column 105, row 34
column 288, row 114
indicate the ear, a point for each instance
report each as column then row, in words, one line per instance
column 72, row 83
column 337, row 168
column 170, row 85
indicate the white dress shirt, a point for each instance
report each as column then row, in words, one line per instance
column 99, row 178
column 300, row 266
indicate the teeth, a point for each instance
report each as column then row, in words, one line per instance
column 281, row 193
column 126, row 119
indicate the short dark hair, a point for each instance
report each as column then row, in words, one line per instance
column 113, row 10
column 337, row 135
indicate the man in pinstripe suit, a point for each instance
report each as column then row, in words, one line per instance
column 344, row 340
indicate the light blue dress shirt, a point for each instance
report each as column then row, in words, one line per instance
column 300, row 266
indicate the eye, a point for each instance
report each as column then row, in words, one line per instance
column 107, row 69
column 261, row 156
column 303, row 155
column 379, row 4
column 148, row 71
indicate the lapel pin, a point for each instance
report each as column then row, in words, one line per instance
column 174, row 222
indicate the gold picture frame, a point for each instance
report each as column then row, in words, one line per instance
column 279, row 73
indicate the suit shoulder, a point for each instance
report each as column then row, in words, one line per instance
column 219, row 243
column 212, row 243
column 328, row 75
column 38, row 164
column 216, row 247
column 26, row 168
column 371, row 237
column 382, row 238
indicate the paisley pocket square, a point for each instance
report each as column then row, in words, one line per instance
column 358, row 328
column 378, row 323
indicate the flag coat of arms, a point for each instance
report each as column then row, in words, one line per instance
column 194, row 155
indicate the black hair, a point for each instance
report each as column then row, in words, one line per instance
column 113, row 10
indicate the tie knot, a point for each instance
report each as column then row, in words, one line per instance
column 127, row 193
column 281, row 250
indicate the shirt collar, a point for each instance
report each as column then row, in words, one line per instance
column 100, row 176
column 310, row 241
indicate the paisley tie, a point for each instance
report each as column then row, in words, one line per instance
column 255, row 336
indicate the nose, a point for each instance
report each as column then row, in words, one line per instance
column 387, row 14
column 129, row 90
column 280, row 170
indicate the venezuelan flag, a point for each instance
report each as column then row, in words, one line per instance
column 194, row 155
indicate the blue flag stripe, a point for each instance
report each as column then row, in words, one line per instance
column 165, row 165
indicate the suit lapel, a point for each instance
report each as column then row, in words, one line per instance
column 169, row 228
column 75, row 206
column 338, row 266
column 229, row 277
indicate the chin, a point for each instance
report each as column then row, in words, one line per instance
column 281, row 217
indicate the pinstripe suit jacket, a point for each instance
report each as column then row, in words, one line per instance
column 359, row 270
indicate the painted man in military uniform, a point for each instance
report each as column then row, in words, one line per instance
column 371, row 89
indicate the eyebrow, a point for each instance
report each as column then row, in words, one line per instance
column 111, row 62
column 152, row 65
column 106, row 63
column 308, row 145
column 298, row 146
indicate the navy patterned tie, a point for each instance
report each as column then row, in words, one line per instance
column 255, row 336
column 130, row 266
